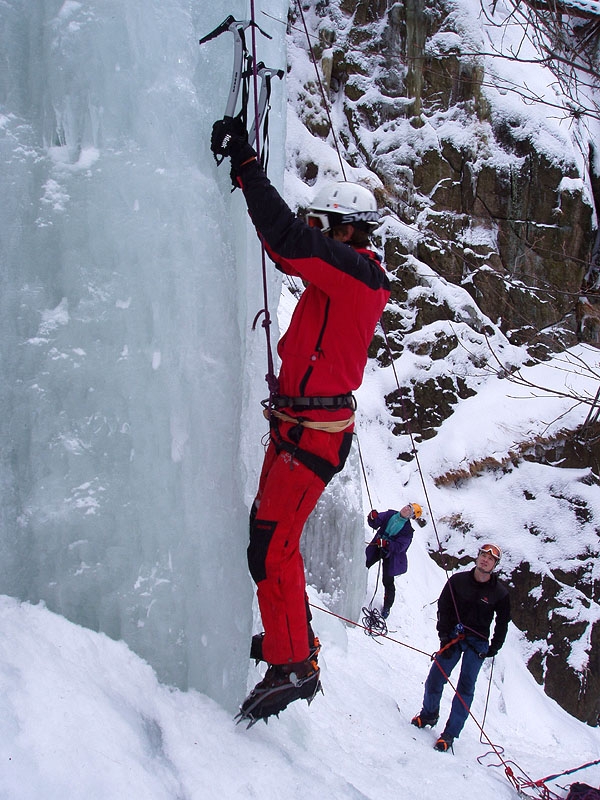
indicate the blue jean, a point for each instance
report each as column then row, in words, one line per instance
column 442, row 666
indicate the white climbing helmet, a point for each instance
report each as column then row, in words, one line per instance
column 343, row 202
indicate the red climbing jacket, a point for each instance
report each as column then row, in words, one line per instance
column 324, row 351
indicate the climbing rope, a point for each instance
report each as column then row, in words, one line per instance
column 364, row 471
column 270, row 377
column 523, row 783
column 485, row 710
column 322, row 90
column 356, row 624
column 415, row 453
column 498, row 751
column 540, row 783
column 246, row 66
column 373, row 623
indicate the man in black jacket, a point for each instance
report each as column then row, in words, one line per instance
column 466, row 609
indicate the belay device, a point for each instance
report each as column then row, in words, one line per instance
column 243, row 69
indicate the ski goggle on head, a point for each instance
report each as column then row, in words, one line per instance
column 491, row 550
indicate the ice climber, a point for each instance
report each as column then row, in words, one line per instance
column 466, row 608
column 323, row 355
column 390, row 543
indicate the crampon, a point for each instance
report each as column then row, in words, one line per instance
column 277, row 690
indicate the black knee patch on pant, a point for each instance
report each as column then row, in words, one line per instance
column 261, row 533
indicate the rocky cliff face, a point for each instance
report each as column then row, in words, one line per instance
column 486, row 197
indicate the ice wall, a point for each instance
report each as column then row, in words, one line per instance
column 334, row 543
column 130, row 377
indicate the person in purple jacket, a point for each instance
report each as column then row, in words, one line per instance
column 390, row 543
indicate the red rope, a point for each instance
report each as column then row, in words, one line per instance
column 510, row 775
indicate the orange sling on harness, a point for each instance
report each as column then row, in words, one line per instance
column 335, row 426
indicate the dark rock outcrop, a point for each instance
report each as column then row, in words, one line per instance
column 494, row 214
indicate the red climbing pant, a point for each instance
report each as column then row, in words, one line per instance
column 288, row 491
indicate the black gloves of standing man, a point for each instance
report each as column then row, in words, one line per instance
column 491, row 653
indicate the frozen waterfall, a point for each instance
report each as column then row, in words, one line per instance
column 131, row 377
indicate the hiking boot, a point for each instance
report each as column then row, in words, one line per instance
column 385, row 612
column 422, row 721
column 281, row 685
column 256, row 647
column 444, row 743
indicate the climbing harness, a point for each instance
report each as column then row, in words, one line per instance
column 458, row 638
column 329, row 403
column 327, row 426
column 244, row 67
column 335, row 426
column 277, row 401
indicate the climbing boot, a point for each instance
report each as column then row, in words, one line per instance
column 256, row 647
column 422, row 721
column 444, row 743
column 281, row 685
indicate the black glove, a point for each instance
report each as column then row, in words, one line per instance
column 228, row 135
column 490, row 654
